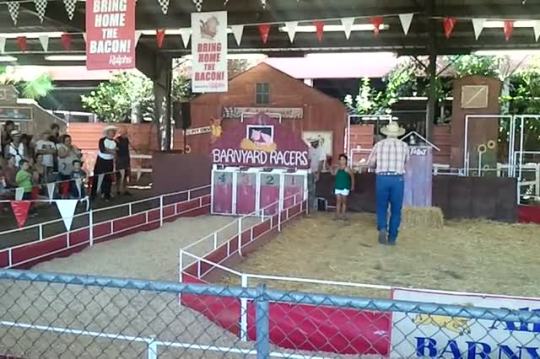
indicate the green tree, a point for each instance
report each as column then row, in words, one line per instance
column 33, row 89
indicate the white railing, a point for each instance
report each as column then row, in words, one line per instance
column 189, row 194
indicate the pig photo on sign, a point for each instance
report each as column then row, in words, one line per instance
column 209, row 28
column 261, row 135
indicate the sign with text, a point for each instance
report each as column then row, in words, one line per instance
column 294, row 113
column 260, row 141
column 209, row 50
column 435, row 336
column 110, row 34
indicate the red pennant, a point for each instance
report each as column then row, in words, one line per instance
column 20, row 210
column 22, row 43
column 448, row 26
column 508, row 29
column 264, row 30
column 376, row 22
column 66, row 41
column 319, row 27
column 160, row 37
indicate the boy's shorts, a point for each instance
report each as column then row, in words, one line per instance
column 341, row 192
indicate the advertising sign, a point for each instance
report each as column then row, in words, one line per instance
column 260, row 142
column 110, row 34
column 209, row 50
column 434, row 336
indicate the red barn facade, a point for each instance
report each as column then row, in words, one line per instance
column 263, row 88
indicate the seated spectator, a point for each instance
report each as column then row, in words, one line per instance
column 24, row 179
column 15, row 148
column 5, row 136
column 47, row 149
column 77, row 173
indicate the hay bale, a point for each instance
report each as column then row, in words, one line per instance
column 422, row 217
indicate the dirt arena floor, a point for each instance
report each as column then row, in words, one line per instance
column 473, row 256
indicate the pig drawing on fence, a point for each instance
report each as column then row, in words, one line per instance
column 456, row 325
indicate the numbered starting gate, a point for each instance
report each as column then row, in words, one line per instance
column 237, row 191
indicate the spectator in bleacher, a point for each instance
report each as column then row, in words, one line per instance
column 47, row 149
column 55, row 134
column 10, row 172
column 5, row 136
column 105, row 163
column 123, row 162
column 26, row 141
column 67, row 153
column 15, row 148
column 24, row 179
column 39, row 170
column 77, row 173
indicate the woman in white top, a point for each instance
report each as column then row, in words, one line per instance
column 15, row 148
column 105, row 163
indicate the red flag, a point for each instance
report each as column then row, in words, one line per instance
column 448, row 26
column 20, row 210
column 508, row 29
column 264, row 30
column 160, row 37
column 66, row 41
column 22, row 43
column 376, row 22
column 319, row 27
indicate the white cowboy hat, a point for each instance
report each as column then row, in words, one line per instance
column 110, row 128
column 393, row 130
column 15, row 133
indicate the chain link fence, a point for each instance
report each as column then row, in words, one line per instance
column 66, row 316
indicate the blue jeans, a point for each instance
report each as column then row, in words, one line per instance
column 389, row 191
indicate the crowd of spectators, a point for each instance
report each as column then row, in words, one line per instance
column 31, row 162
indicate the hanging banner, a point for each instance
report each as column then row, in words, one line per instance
column 20, row 211
column 209, row 50
column 110, row 35
column 67, row 207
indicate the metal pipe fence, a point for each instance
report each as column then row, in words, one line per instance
column 45, row 315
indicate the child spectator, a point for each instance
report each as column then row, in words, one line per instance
column 344, row 185
column 77, row 174
column 24, row 179
column 47, row 149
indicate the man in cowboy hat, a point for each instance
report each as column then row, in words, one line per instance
column 389, row 157
column 317, row 157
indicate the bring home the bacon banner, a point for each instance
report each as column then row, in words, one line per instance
column 209, row 50
column 110, row 34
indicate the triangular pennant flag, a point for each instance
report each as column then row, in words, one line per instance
column 22, row 43
column 67, row 207
column 508, row 29
column 2, row 44
column 19, row 193
column 20, row 211
column 198, row 4
column 376, row 22
column 66, row 41
column 78, row 183
column 448, row 26
column 44, row 41
column 319, row 29
column 84, row 36
column 160, row 37
column 238, row 31
column 50, row 190
column 536, row 28
column 138, row 35
column 41, row 7
column 164, row 4
column 406, row 20
column 13, row 8
column 186, row 35
column 347, row 23
column 478, row 26
column 99, row 182
column 264, row 31
column 70, row 8
column 290, row 27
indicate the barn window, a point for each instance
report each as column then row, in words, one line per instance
column 262, row 93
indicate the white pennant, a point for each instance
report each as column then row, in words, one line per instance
column 41, row 7
column 137, row 37
column 99, row 182
column 347, row 23
column 2, row 44
column 13, row 8
column 19, row 193
column 67, row 207
column 536, row 28
column 70, row 8
column 50, row 190
column 78, row 183
column 406, row 20
column 238, row 32
column 478, row 25
column 84, row 36
column 290, row 27
column 186, row 35
column 44, row 41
